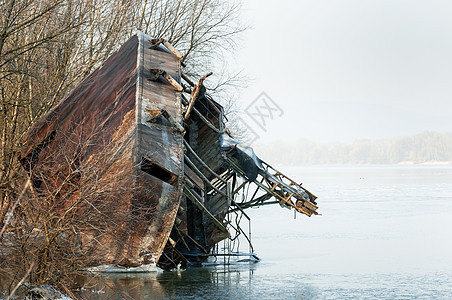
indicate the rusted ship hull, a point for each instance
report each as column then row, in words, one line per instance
column 102, row 128
column 156, row 173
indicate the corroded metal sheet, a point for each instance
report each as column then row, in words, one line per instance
column 103, row 123
column 161, row 144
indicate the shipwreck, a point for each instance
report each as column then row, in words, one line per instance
column 140, row 124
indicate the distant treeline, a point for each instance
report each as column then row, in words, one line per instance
column 421, row 148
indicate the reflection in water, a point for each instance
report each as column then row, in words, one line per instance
column 236, row 281
column 215, row 282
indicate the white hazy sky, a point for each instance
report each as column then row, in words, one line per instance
column 350, row 69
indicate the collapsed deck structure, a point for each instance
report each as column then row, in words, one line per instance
column 140, row 125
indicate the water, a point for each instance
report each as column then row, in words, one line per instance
column 385, row 233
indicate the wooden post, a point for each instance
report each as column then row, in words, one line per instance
column 194, row 94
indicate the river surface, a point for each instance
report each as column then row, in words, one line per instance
column 385, row 233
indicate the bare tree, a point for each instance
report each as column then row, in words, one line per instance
column 204, row 31
column 200, row 29
column 46, row 48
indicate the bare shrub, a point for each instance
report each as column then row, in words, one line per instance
column 76, row 204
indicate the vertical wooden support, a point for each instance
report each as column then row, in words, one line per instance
column 194, row 94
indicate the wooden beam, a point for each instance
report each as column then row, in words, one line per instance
column 157, row 73
column 200, row 174
column 193, row 177
column 198, row 203
column 194, row 95
column 156, row 42
column 187, row 145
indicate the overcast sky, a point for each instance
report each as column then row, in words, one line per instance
column 349, row 69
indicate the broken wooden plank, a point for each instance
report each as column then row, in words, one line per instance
column 193, row 177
